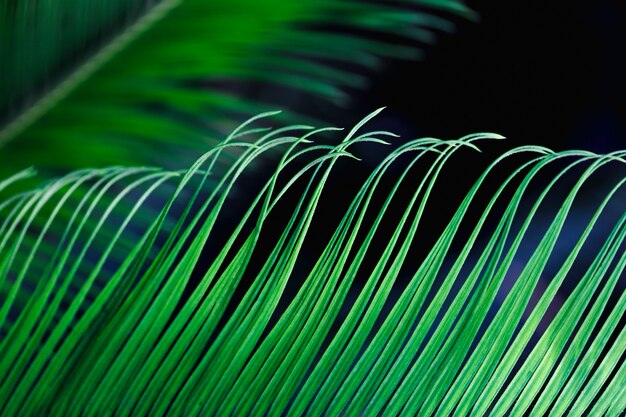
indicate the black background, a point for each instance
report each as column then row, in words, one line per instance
column 550, row 73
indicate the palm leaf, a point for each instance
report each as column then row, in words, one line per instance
column 176, row 316
column 137, row 74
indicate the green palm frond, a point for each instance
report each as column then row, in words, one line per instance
column 88, row 83
column 170, row 314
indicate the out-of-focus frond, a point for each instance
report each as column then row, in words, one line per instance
column 86, row 83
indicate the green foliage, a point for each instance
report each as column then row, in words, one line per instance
column 115, row 302
column 90, row 83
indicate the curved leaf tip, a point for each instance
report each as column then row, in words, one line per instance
column 139, row 292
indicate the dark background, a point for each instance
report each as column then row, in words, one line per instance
column 541, row 72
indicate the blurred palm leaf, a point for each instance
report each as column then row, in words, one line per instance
column 86, row 83
column 170, row 315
